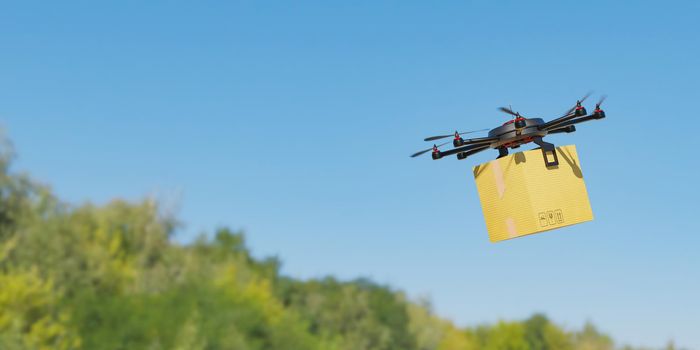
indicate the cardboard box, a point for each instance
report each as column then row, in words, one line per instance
column 520, row 195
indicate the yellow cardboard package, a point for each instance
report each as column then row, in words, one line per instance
column 520, row 195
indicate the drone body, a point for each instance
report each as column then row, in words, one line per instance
column 517, row 132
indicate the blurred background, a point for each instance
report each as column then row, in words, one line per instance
column 236, row 175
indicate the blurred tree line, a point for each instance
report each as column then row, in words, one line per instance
column 109, row 277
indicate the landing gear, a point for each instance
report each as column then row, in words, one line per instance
column 547, row 147
column 502, row 152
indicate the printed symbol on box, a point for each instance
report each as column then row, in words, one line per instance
column 543, row 219
column 550, row 218
column 559, row 216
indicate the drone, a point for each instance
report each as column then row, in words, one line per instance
column 516, row 132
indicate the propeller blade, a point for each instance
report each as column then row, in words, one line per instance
column 570, row 110
column 473, row 131
column 432, row 138
column 586, row 96
column 427, row 150
column 507, row 110
column 602, row 99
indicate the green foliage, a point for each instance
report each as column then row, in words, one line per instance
column 27, row 316
column 109, row 277
column 591, row 339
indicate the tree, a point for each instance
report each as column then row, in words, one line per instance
column 110, row 277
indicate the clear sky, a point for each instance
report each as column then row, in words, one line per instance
column 294, row 122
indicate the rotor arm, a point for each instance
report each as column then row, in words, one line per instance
column 479, row 141
column 567, row 129
column 556, row 123
column 482, row 145
column 571, row 122
column 469, row 144
column 471, row 152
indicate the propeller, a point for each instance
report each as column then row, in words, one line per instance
column 509, row 111
column 578, row 103
column 429, row 149
column 602, row 99
column 431, row 138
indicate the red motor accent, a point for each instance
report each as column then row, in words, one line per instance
column 517, row 143
column 513, row 120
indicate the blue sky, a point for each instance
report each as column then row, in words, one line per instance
column 294, row 122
